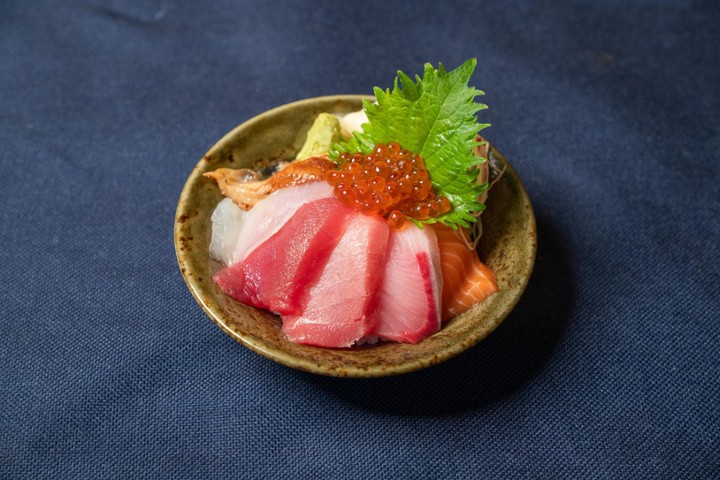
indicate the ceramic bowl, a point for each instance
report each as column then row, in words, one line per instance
column 507, row 246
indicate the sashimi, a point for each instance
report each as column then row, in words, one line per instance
column 340, row 305
column 466, row 280
column 244, row 188
column 227, row 221
column 409, row 307
column 271, row 213
column 277, row 274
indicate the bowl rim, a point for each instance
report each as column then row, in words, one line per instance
column 281, row 356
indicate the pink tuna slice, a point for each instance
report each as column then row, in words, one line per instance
column 277, row 274
column 410, row 299
column 340, row 305
column 271, row 213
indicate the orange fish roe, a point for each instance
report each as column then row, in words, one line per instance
column 390, row 181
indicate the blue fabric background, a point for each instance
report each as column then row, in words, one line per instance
column 608, row 367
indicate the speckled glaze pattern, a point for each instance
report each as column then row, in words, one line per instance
column 508, row 246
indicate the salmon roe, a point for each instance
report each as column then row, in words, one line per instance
column 390, row 181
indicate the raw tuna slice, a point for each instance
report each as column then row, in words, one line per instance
column 277, row 274
column 410, row 299
column 272, row 212
column 340, row 305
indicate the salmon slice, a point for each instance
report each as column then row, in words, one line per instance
column 466, row 280
column 234, row 183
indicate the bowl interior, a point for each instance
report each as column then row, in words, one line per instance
column 508, row 246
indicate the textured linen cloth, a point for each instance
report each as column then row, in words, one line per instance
column 607, row 368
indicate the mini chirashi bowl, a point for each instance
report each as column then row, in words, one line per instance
column 508, row 246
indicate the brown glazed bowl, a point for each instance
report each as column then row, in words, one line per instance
column 508, row 246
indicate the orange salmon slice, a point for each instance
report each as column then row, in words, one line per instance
column 466, row 280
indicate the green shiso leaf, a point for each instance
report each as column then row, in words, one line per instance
column 433, row 116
